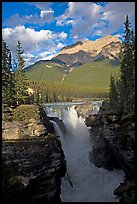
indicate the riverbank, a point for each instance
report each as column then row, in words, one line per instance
column 32, row 158
column 114, row 147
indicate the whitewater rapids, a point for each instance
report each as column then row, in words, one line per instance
column 90, row 184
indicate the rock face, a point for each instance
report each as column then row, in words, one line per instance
column 59, row 122
column 124, row 187
column 114, row 147
column 40, row 164
column 26, row 129
column 107, row 150
column 84, row 110
column 11, row 130
column 87, row 51
column 18, row 130
column 32, row 164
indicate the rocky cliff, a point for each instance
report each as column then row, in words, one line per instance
column 87, row 51
column 113, row 140
column 32, row 166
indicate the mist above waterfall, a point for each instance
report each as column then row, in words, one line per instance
column 90, row 184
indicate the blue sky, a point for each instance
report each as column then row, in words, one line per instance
column 44, row 28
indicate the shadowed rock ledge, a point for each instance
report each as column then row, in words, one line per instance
column 113, row 139
column 32, row 167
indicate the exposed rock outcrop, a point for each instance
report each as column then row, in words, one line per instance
column 40, row 164
column 114, row 147
column 18, row 130
column 84, row 110
column 32, row 166
column 87, row 51
column 108, row 143
column 59, row 122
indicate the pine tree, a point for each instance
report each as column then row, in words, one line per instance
column 113, row 94
column 123, row 89
column 7, row 76
column 127, row 70
column 20, row 78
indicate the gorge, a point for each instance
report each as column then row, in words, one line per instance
column 83, row 180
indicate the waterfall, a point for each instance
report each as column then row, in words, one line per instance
column 90, row 184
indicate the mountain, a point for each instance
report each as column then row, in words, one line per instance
column 88, row 64
column 88, row 51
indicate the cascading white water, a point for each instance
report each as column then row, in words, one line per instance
column 90, row 184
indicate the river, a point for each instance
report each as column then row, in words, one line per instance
column 84, row 182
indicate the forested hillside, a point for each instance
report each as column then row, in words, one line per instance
column 93, row 76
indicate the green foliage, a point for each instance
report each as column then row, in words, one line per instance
column 25, row 112
column 129, row 197
column 127, row 68
column 7, row 113
column 7, row 76
column 20, row 78
column 122, row 89
column 90, row 78
column 45, row 91
column 95, row 75
column 44, row 72
column 113, row 95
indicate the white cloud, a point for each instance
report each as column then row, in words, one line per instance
column 63, row 35
column 32, row 41
column 82, row 16
column 45, row 12
column 61, row 45
column 30, row 38
column 70, row 22
column 46, row 16
column 115, row 13
column 89, row 19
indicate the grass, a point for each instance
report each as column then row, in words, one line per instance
column 45, row 71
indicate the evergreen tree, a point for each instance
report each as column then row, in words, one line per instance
column 113, row 94
column 131, row 102
column 20, row 78
column 7, row 76
column 127, row 69
column 123, row 89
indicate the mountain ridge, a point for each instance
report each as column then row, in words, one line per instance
column 106, row 47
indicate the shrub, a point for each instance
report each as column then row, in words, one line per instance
column 25, row 113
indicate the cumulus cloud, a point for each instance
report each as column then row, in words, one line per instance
column 83, row 17
column 113, row 17
column 46, row 16
column 90, row 18
column 44, row 42
column 32, row 58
